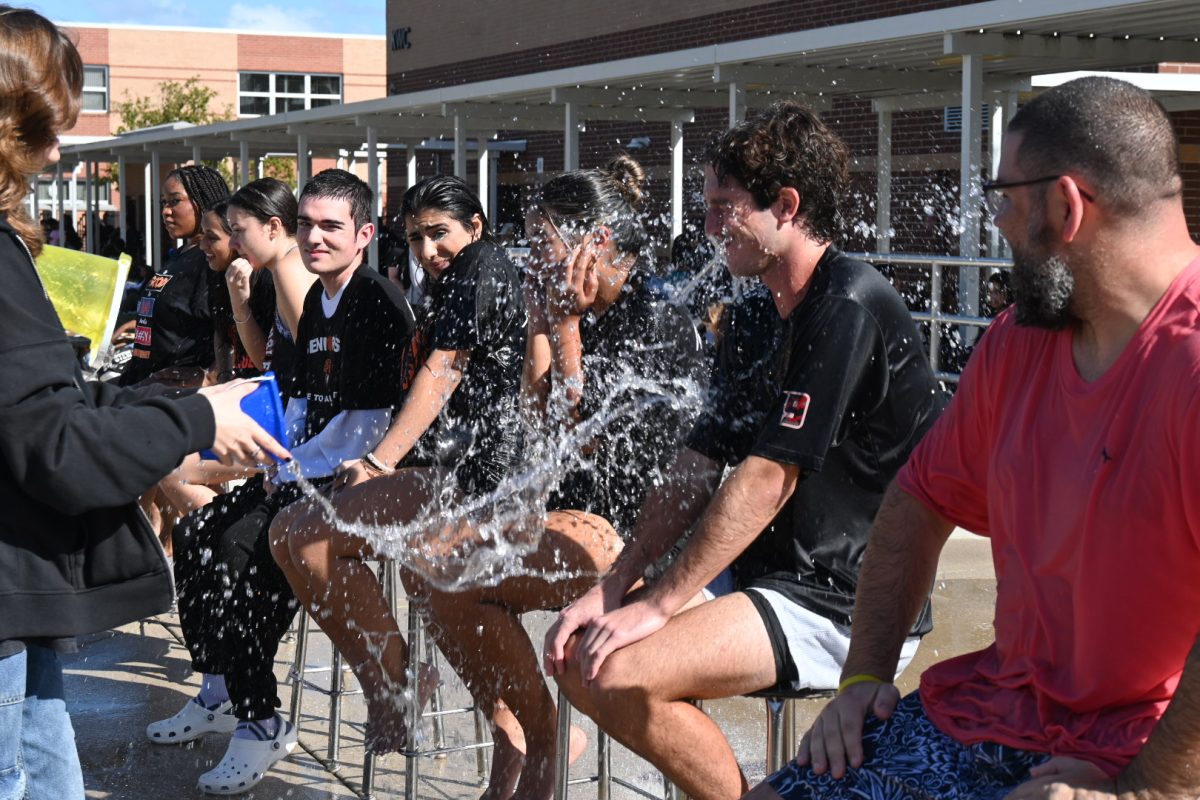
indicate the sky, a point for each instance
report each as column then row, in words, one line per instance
column 353, row 16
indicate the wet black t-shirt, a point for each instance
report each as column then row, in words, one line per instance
column 477, row 305
column 854, row 396
column 744, row 381
column 639, row 359
column 351, row 360
column 174, row 322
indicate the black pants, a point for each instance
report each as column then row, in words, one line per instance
column 234, row 602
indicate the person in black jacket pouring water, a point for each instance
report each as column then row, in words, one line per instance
column 76, row 556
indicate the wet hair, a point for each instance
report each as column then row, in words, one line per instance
column 610, row 196
column 449, row 194
column 266, row 198
column 204, row 186
column 788, row 146
column 338, row 184
column 219, row 210
column 1107, row 130
column 41, row 79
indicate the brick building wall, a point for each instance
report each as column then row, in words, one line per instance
column 139, row 58
column 688, row 29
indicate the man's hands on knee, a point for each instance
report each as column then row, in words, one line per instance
column 575, row 617
column 618, row 628
column 834, row 741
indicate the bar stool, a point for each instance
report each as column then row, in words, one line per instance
column 419, row 647
column 604, row 779
column 782, row 737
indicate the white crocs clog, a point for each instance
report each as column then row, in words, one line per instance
column 247, row 761
column 192, row 722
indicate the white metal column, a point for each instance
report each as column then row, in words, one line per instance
column 243, row 163
column 483, row 162
column 676, row 177
column 1004, row 107
column 883, row 182
column 737, row 103
column 123, row 182
column 969, row 194
column 493, row 209
column 88, row 184
column 149, row 207
column 73, row 196
column 571, row 136
column 155, row 231
column 303, row 166
column 58, row 199
column 410, row 156
column 373, row 182
column 34, row 200
column 460, row 146
column 196, row 154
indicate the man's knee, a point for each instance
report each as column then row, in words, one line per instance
column 621, row 683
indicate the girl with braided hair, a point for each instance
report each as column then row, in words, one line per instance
column 173, row 340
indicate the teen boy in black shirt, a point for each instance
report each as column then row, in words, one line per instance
column 855, row 394
column 234, row 601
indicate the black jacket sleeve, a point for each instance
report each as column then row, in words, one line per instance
column 72, row 445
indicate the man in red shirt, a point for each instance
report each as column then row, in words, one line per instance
column 1071, row 444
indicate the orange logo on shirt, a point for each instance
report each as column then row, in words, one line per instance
column 795, row 409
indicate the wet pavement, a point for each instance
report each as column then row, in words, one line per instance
column 124, row 679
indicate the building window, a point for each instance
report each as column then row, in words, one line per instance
column 261, row 93
column 95, row 89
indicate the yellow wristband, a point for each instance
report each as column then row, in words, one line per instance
column 860, row 678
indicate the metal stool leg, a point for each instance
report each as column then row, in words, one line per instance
column 298, row 667
column 776, row 707
column 603, row 763
column 482, row 754
column 562, row 748
column 335, row 706
column 411, row 767
column 435, row 702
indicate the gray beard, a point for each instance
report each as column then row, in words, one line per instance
column 1042, row 292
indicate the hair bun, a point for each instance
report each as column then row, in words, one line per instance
column 630, row 177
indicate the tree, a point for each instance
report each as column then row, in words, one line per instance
column 189, row 101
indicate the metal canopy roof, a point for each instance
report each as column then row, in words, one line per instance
column 910, row 60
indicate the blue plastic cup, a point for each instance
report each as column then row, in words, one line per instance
column 265, row 406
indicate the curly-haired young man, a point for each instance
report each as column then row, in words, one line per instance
column 815, row 418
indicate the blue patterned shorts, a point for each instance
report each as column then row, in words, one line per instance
column 908, row 758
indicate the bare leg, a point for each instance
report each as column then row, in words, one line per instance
column 480, row 632
column 326, row 569
column 716, row 649
column 196, row 482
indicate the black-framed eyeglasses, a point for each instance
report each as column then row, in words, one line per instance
column 996, row 198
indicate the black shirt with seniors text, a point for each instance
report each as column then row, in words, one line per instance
column 853, row 394
column 351, row 360
column 639, row 359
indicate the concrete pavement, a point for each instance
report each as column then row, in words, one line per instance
column 123, row 679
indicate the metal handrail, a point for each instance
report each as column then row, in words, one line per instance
column 934, row 315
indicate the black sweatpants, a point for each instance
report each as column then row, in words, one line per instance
column 234, row 602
